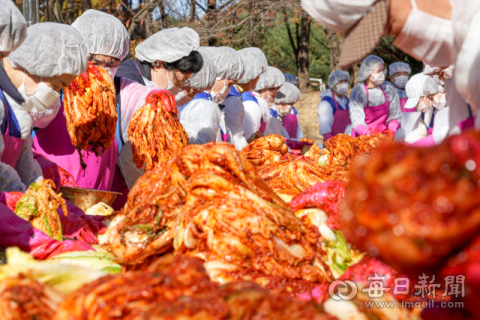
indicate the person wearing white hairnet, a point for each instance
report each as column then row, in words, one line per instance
column 201, row 117
column 165, row 60
column 286, row 97
column 427, row 97
column 255, row 64
column 399, row 73
column 230, row 69
column 291, row 78
column 333, row 111
column 13, row 28
column 374, row 103
column 50, row 58
column 107, row 44
column 266, row 89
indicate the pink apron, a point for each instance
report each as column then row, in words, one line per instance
column 403, row 102
column 54, row 143
column 341, row 119
column 13, row 145
column 290, row 123
column 263, row 126
column 375, row 115
column 467, row 123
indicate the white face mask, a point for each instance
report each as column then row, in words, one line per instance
column 284, row 110
column 111, row 71
column 219, row 97
column 43, row 118
column 378, row 78
column 341, row 88
column 40, row 99
column 270, row 101
column 401, row 81
column 439, row 102
column 169, row 86
column 422, row 107
column 426, row 38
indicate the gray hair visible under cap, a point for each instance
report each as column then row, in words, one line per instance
column 103, row 34
column 168, row 45
column 288, row 94
column 227, row 61
column 272, row 78
column 337, row 76
column 205, row 78
column 255, row 63
column 368, row 65
column 51, row 49
column 13, row 27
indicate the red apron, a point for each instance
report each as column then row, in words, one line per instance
column 341, row 119
column 375, row 115
column 54, row 143
column 13, row 145
column 290, row 123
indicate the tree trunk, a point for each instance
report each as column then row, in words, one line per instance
column 212, row 17
column 335, row 48
column 353, row 71
column 163, row 15
column 303, row 46
column 148, row 22
column 86, row 4
column 57, row 10
column 49, row 12
column 69, row 17
column 193, row 4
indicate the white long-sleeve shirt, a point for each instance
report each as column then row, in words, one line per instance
column 201, row 119
column 234, row 114
column 325, row 111
column 252, row 119
column 358, row 102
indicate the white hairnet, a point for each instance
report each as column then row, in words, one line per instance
column 51, row 49
column 421, row 85
column 399, row 67
column 272, row 78
column 368, row 65
column 291, row 78
column 13, row 27
column 205, row 78
column 255, row 63
column 168, row 45
column 431, row 71
column 288, row 94
column 227, row 61
column 103, row 34
column 337, row 15
column 337, row 76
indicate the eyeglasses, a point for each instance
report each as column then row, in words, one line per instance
column 180, row 83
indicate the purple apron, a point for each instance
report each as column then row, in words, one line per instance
column 290, row 123
column 13, row 145
column 263, row 126
column 375, row 115
column 54, row 143
column 341, row 119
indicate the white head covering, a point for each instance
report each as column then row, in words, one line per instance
column 205, row 78
column 255, row 63
column 399, row 67
column 227, row 61
column 291, row 78
column 337, row 76
column 13, row 27
column 337, row 15
column 272, row 78
column 419, row 86
column 368, row 65
column 168, row 45
column 103, row 34
column 288, row 94
column 51, row 49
